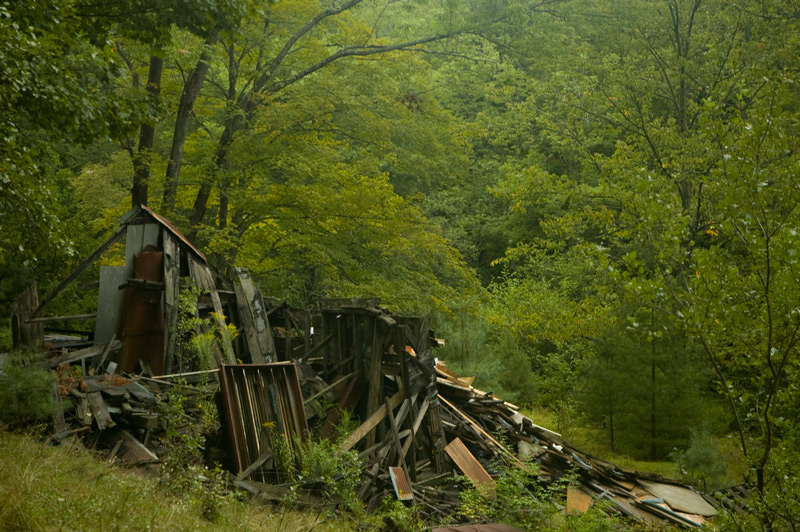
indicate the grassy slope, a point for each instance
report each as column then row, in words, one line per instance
column 63, row 488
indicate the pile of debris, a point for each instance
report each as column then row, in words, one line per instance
column 420, row 424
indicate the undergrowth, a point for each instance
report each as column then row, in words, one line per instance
column 67, row 488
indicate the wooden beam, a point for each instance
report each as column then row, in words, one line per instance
column 469, row 465
column 23, row 333
column 99, row 410
column 396, row 437
column 106, row 351
column 376, row 417
column 62, row 318
column 79, row 270
column 74, row 356
column 417, row 422
column 172, row 288
column 480, row 430
column 329, row 387
column 204, row 280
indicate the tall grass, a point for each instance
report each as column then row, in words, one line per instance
column 67, row 488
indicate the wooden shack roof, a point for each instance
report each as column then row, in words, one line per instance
column 136, row 215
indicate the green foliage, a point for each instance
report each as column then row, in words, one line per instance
column 57, row 88
column 702, row 462
column 43, row 487
column 393, row 515
column 198, row 337
column 324, row 461
column 518, row 500
column 26, row 389
column 182, row 468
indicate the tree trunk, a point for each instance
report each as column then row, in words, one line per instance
column 141, row 163
column 191, row 90
column 653, row 431
column 201, row 201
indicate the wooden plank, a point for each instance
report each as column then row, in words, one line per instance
column 106, row 351
column 74, row 356
column 266, row 457
column 255, row 324
column 75, row 317
column 469, row 465
column 99, row 410
column 109, row 303
column 23, row 332
column 138, row 237
column 329, row 387
column 202, row 277
column 435, row 427
column 82, row 267
column 415, row 428
column 246, row 324
column 376, row 417
column 375, row 379
column 578, row 501
column 395, row 436
column 172, row 281
column 480, row 430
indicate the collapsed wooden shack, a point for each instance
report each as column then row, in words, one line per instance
column 291, row 373
column 136, row 322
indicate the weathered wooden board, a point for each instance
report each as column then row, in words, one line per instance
column 468, row 464
column 172, row 273
column 578, row 501
column 79, row 270
column 257, row 330
column 99, row 410
column 139, row 236
column 23, row 332
column 75, row 356
column 370, row 423
column 109, row 303
column 203, row 279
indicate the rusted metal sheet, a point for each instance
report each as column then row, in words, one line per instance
column 261, row 402
column 468, row 465
column 142, row 320
column 402, row 488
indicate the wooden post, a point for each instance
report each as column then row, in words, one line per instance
column 23, row 332
column 172, row 280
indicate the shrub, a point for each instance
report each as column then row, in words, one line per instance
column 26, row 389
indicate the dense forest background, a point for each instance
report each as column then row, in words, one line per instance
column 596, row 201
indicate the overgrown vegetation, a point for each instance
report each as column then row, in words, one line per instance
column 67, row 488
column 184, row 468
column 597, row 200
column 27, row 391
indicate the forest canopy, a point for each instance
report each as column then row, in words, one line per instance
column 596, row 201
